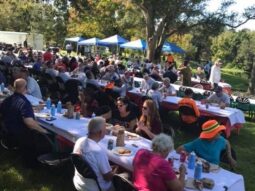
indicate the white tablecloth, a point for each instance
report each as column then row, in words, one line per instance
column 33, row 100
column 234, row 115
column 73, row 129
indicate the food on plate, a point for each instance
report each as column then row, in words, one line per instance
column 123, row 151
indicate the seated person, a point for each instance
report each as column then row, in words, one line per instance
column 167, row 88
column 63, row 75
column 124, row 116
column 155, row 94
column 147, row 82
column 209, row 144
column 32, row 86
column 120, row 87
column 152, row 171
column 219, row 97
column 105, row 112
column 188, row 101
column 111, row 74
column 88, row 103
column 96, row 156
column 149, row 124
column 200, row 75
column 18, row 119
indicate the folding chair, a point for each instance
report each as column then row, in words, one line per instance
column 188, row 111
column 83, row 167
column 122, row 184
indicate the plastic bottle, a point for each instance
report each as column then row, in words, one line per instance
column 2, row 86
column 59, row 107
column 93, row 115
column 48, row 103
column 198, row 171
column 192, row 160
column 53, row 110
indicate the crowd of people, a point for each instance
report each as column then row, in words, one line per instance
column 111, row 104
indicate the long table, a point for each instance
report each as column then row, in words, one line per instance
column 232, row 117
column 73, row 129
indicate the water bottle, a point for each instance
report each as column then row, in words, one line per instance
column 93, row 115
column 2, row 86
column 198, row 171
column 48, row 103
column 192, row 160
column 53, row 110
column 59, row 107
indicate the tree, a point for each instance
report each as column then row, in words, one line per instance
column 164, row 18
column 32, row 16
column 246, row 55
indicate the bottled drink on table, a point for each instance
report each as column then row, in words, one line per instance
column 110, row 144
column 2, row 86
column 59, row 107
column 53, row 110
column 93, row 115
column 198, row 171
column 48, row 103
column 192, row 160
column 78, row 115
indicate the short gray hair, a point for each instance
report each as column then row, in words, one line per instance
column 96, row 125
column 162, row 143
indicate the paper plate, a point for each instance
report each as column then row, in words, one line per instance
column 122, row 151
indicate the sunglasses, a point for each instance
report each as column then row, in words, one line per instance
column 119, row 105
column 145, row 108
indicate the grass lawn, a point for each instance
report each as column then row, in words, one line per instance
column 13, row 177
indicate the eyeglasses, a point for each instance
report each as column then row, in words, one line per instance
column 145, row 108
column 119, row 105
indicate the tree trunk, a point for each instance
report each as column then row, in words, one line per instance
column 251, row 87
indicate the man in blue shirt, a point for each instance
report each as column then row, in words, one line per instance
column 209, row 144
column 18, row 120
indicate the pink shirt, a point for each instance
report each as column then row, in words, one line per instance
column 151, row 171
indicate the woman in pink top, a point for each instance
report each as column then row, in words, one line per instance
column 153, row 172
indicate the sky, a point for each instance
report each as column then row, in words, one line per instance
column 239, row 7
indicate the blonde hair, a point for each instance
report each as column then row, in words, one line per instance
column 152, row 115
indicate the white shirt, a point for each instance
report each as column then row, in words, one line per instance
column 97, row 158
column 169, row 90
column 64, row 76
column 33, row 88
column 215, row 75
column 146, row 84
column 156, row 96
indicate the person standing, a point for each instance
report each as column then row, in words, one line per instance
column 215, row 76
column 186, row 73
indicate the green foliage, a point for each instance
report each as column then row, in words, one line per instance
column 32, row 16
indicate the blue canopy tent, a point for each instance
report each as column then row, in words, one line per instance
column 173, row 48
column 75, row 40
column 114, row 40
column 92, row 42
column 136, row 45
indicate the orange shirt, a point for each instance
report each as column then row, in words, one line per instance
column 191, row 103
column 170, row 59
